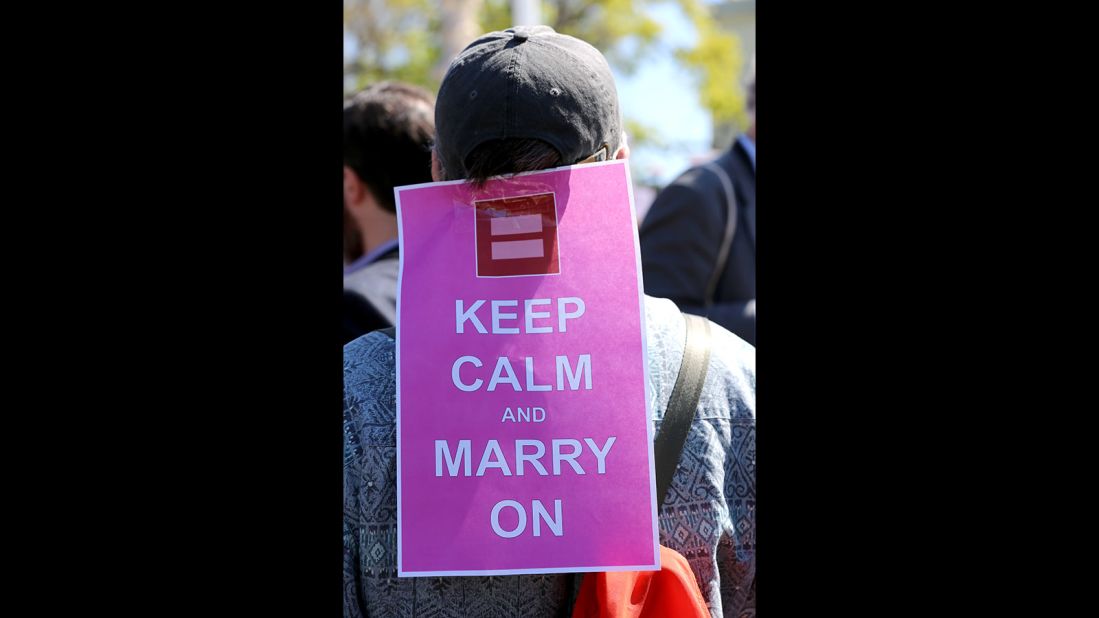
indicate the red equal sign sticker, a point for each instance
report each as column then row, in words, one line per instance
column 517, row 236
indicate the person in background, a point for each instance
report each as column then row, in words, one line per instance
column 698, row 240
column 387, row 133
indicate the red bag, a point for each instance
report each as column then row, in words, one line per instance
column 671, row 591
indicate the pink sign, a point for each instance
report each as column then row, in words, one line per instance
column 523, row 436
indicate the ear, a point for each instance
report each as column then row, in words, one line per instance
column 436, row 169
column 624, row 148
column 353, row 188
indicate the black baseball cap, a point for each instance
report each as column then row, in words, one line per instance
column 527, row 82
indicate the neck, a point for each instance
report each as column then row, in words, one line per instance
column 377, row 230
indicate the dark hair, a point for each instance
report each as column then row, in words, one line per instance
column 387, row 133
column 506, row 156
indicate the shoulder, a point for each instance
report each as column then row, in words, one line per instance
column 369, row 389
column 731, row 381
column 694, row 200
column 736, row 163
column 730, row 386
column 369, row 355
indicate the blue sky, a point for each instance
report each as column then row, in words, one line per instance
column 661, row 96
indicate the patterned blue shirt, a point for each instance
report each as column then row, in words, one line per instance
column 708, row 514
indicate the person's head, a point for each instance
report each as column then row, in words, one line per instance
column 525, row 99
column 387, row 133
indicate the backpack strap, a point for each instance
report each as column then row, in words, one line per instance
column 682, row 403
column 730, row 231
